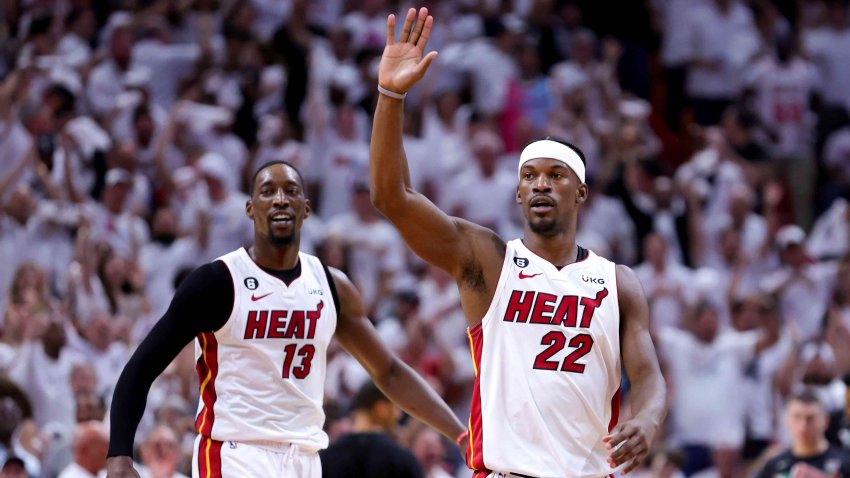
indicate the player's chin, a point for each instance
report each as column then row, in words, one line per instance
column 282, row 239
column 542, row 225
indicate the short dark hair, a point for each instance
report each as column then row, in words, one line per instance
column 368, row 395
column 806, row 396
column 566, row 143
column 272, row 163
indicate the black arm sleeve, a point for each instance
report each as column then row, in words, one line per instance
column 202, row 303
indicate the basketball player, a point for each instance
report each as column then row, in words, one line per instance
column 549, row 321
column 262, row 319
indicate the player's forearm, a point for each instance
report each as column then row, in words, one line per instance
column 389, row 175
column 410, row 392
column 127, row 408
column 649, row 398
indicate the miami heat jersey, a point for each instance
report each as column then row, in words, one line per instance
column 262, row 374
column 547, row 365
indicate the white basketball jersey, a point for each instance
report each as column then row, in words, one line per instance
column 262, row 374
column 547, row 364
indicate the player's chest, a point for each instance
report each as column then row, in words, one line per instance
column 272, row 312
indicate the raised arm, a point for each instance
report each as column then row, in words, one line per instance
column 398, row 381
column 432, row 234
column 630, row 440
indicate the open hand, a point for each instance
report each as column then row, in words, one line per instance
column 402, row 63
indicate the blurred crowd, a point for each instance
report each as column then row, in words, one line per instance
column 718, row 141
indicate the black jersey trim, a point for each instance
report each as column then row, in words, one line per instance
column 287, row 276
column 581, row 254
column 332, row 285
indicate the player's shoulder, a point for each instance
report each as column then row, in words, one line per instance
column 480, row 236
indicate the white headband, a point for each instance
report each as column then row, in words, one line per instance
column 546, row 148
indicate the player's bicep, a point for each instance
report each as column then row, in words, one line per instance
column 355, row 332
column 638, row 351
column 436, row 237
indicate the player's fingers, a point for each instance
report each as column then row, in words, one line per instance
column 618, row 436
column 408, row 24
column 632, row 466
column 420, row 24
column 624, row 452
column 424, row 63
column 426, row 33
column 390, row 29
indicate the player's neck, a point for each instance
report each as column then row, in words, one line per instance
column 275, row 257
column 560, row 249
column 805, row 450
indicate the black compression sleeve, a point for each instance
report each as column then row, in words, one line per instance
column 202, row 303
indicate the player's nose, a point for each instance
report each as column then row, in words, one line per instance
column 541, row 184
column 280, row 198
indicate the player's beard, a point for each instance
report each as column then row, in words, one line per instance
column 544, row 226
column 283, row 240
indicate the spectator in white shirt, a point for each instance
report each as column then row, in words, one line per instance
column 754, row 313
column 172, row 62
column 112, row 222
column 224, row 207
column 163, row 257
column 91, row 440
column 106, row 80
column 740, row 216
column 675, row 52
column 344, row 157
column 102, row 351
column 74, row 47
column 43, row 371
column 485, row 193
column 668, row 284
column 606, row 216
column 721, row 38
column 800, row 287
column 705, row 364
column 377, row 250
column 829, row 48
column 830, row 236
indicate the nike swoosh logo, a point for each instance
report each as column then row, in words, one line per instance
column 255, row 298
column 523, row 276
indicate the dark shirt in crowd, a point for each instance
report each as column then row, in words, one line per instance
column 834, row 462
column 368, row 455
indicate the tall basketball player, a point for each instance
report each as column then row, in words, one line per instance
column 549, row 321
column 262, row 319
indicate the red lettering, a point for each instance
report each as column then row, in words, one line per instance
column 590, row 305
column 566, row 313
column 255, row 328
column 313, row 317
column 543, row 306
column 519, row 308
column 296, row 325
column 278, row 323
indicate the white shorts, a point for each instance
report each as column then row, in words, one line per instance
column 215, row 459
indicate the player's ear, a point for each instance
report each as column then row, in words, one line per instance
column 249, row 209
column 518, row 198
column 581, row 193
column 307, row 208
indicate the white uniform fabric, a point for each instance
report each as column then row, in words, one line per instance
column 215, row 459
column 547, row 357
column 262, row 374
